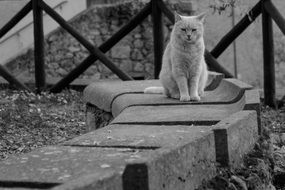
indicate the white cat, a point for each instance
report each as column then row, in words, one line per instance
column 184, row 72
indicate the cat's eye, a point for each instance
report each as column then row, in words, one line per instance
column 183, row 29
column 194, row 29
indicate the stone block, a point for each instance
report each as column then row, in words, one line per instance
column 107, row 91
column 141, row 136
column 219, row 95
column 99, row 181
column 76, row 167
column 102, row 93
column 138, row 43
column 175, row 114
column 121, row 51
column 235, row 136
column 181, row 156
column 184, row 167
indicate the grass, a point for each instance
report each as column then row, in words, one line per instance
column 29, row 121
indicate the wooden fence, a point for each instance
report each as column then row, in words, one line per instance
column 155, row 8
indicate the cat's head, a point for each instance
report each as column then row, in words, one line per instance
column 189, row 29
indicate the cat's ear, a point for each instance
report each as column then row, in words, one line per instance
column 177, row 17
column 201, row 17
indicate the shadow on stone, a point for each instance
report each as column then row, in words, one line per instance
column 27, row 184
column 135, row 177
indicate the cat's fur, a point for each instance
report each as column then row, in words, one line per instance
column 184, row 72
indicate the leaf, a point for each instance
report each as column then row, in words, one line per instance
column 238, row 181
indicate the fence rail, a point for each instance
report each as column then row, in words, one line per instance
column 236, row 30
column 155, row 8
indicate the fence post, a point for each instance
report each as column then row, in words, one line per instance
column 39, row 46
column 268, row 58
column 158, row 36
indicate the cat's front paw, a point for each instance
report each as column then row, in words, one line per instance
column 184, row 98
column 195, row 98
column 201, row 93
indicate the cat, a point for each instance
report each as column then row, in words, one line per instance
column 184, row 71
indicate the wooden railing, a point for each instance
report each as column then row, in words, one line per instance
column 155, row 8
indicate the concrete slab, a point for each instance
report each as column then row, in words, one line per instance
column 141, row 136
column 228, row 91
column 98, row 181
column 185, row 159
column 176, row 114
column 153, row 143
column 185, row 152
column 235, row 136
column 214, row 80
column 179, row 168
column 51, row 166
column 252, row 99
column 136, row 156
column 184, row 167
column 117, row 168
column 103, row 93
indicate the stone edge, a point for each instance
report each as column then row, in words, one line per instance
column 107, row 96
column 118, row 106
column 150, row 173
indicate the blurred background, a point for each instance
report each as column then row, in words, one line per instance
column 97, row 20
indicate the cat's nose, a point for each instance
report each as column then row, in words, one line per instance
column 188, row 37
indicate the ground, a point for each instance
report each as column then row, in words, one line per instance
column 29, row 121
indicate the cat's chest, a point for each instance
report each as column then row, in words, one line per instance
column 186, row 57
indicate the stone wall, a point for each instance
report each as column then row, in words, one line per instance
column 134, row 53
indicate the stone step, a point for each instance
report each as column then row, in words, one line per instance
column 140, row 136
column 228, row 91
column 153, row 142
column 51, row 166
column 135, row 157
column 103, row 93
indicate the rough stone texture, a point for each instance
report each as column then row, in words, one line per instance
column 182, row 157
column 167, row 115
column 214, row 80
column 184, row 167
column 111, row 165
column 141, row 136
column 62, row 163
column 154, row 147
column 240, row 132
column 235, row 90
column 228, row 97
column 107, row 91
column 97, row 24
column 103, row 93
column 252, row 98
column 98, row 181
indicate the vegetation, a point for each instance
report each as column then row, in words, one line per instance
column 29, row 121
column 264, row 167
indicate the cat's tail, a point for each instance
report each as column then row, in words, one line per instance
column 154, row 90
